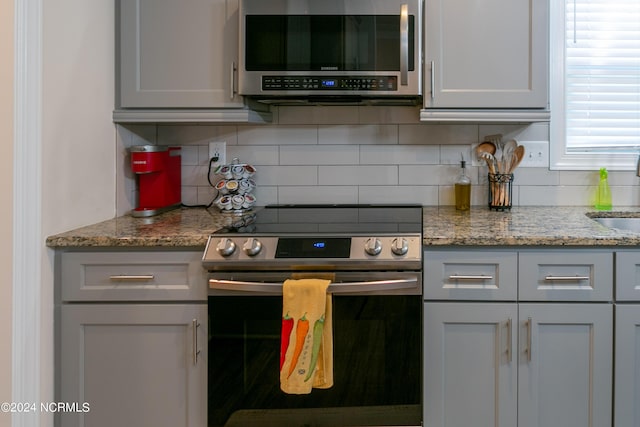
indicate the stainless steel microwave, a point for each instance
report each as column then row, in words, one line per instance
column 330, row 49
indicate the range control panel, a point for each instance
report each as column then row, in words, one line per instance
column 392, row 251
column 338, row 83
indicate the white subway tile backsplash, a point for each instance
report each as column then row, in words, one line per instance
column 196, row 134
column 189, row 195
column 453, row 154
column 535, row 176
column 266, row 195
column 277, row 135
column 424, row 194
column 189, row 154
column 287, row 175
column 358, row 175
column 438, row 134
column 360, row 134
column 359, row 155
column 549, row 195
column 396, row 115
column 399, row 154
column 318, row 194
column 194, row 175
column 425, row 175
column 255, row 155
column 319, row 155
column 317, row 115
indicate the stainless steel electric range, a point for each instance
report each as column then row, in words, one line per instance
column 373, row 257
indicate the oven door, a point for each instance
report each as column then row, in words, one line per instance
column 377, row 354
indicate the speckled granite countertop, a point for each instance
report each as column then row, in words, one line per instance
column 188, row 227
column 528, row 226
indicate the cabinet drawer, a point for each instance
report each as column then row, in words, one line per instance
column 470, row 275
column 566, row 275
column 628, row 276
column 133, row 276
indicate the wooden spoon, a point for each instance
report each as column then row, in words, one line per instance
column 507, row 155
column 518, row 155
column 486, row 147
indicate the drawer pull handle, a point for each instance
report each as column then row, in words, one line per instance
column 470, row 277
column 566, row 278
column 132, row 277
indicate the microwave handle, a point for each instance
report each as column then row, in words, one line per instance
column 404, row 45
column 334, row 288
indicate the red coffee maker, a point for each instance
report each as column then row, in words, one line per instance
column 159, row 178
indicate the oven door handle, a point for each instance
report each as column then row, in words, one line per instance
column 334, row 288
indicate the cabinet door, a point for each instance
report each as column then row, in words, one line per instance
column 178, row 54
column 470, row 366
column 565, row 365
column 135, row 365
column 488, row 54
column 627, row 376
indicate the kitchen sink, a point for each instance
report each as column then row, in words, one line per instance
column 621, row 223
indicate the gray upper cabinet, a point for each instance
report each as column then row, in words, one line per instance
column 486, row 55
column 178, row 63
column 178, row 54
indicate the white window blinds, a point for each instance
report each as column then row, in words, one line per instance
column 602, row 74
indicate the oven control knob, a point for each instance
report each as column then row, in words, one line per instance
column 400, row 246
column 226, row 247
column 373, row 246
column 252, row 247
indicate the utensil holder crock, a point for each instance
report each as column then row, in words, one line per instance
column 500, row 191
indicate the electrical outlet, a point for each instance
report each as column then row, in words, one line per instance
column 536, row 154
column 218, row 151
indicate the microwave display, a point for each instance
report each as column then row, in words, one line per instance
column 326, row 43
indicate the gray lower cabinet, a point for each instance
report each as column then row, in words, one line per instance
column 134, row 364
column 518, row 337
column 131, row 328
column 508, row 364
column 627, row 367
column 565, row 365
column 627, row 338
column 470, row 367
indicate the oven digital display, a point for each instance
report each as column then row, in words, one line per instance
column 329, row 83
column 303, row 247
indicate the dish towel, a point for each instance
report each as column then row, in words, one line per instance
column 306, row 346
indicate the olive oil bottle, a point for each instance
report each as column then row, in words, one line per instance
column 463, row 189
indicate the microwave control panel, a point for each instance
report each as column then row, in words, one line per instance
column 341, row 83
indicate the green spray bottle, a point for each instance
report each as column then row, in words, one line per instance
column 603, row 196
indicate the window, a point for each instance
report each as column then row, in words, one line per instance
column 595, row 84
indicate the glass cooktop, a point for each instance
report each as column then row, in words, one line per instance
column 330, row 219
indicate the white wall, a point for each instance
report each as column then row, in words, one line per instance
column 78, row 136
column 6, row 189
